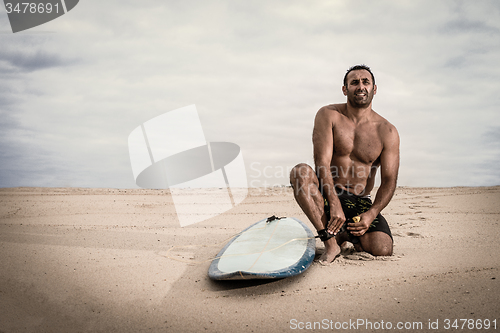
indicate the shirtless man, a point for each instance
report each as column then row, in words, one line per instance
column 350, row 142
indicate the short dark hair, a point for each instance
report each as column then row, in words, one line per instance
column 355, row 68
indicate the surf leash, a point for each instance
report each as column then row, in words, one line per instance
column 273, row 218
column 324, row 235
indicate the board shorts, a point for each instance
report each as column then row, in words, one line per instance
column 354, row 205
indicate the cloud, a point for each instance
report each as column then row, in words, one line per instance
column 491, row 136
column 28, row 54
column 257, row 72
column 16, row 61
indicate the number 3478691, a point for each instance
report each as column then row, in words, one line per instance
column 31, row 8
column 470, row 324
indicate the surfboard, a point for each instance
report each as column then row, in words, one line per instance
column 269, row 249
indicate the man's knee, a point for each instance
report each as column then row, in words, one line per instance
column 303, row 180
column 382, row 250
column 300, row 173
column 377, row 243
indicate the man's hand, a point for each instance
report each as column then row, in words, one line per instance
column 337, row 219
column 361, row 224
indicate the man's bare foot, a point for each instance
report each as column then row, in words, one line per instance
column 332, row 251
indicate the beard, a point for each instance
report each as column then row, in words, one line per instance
column 360, row 101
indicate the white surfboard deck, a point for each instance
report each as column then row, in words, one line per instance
column 266, row 250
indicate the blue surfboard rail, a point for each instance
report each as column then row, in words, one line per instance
column 297, row 268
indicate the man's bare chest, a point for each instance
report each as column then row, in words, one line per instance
column 361, row 144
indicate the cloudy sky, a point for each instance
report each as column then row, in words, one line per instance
column 72, row 90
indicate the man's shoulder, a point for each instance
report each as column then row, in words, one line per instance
column 335, row 107
column 385, row 128
column 331, row 110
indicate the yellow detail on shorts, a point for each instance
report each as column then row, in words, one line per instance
column 356, row 219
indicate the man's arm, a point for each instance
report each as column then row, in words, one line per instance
column 389, row 167
column 323, row 151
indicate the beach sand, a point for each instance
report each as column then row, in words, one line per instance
column 96, row 260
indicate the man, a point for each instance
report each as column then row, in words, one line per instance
column 350, row 142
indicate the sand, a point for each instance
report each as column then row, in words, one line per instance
column 96, row 260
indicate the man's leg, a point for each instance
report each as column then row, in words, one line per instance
column 376, row 243
column 307, row 194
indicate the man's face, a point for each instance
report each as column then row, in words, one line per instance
column 360, row 88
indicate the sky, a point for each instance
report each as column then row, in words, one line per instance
column 72, row 90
